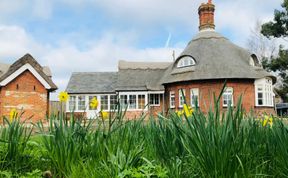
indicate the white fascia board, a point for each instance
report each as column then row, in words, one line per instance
column 20, row 71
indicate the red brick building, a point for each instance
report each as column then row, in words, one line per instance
column 25, row 86
column 200, row 71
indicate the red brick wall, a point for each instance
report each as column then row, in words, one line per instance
column 30, row 95
column 208, row 87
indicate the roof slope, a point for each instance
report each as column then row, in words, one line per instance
column 6, row 70
column 92, row 82
column 216, row 58
column 143, row 76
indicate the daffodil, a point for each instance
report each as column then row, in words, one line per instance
column 104, row 115
column 13, row 114
column 270, row 122
column 63, row 96
column 267, row 121
column 93, row 103
column 179, row 113
column 187, row 110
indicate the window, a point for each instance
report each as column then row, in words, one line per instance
column 123, row 101
column 90, row 99
column 72, row 103
column 113, row 102
column 141, row 101
column 186, row 61
column 181, row 97
column 81, row 103
column 228, row 97
column 194, row 96
column 264, row 92
column 132, row 102
column 154, row 99
column 104, row 102
column 254, row 61
column 172, row 99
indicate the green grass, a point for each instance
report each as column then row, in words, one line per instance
column 231, row 144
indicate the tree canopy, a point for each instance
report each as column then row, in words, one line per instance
column 278, row 28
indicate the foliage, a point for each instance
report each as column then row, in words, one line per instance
column 213, row 144
column 279, row 29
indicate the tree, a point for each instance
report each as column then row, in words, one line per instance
column 258, row 44
column 278, row 28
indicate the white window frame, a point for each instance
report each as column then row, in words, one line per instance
column 172, row 95
column 181, row 100
column 69, row 102
column 194, row 92
column 85, row 102
column 128, row 98
column 229, row 92
column 267, row 92
column 185, row 61
column 154, row 100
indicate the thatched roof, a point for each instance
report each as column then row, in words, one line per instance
column 216, row 58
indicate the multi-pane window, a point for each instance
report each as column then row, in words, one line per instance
column 141, row 101
column 194, row 97
column 154, row 99
column 185, row 61
column 104, row 102
column 90, row 99
column 264, row 92
column 72, row 103
column 132, row 102
column 172, row 99
column 113, row 102
column 181, row 97
column 228, row 97
column 260, row 95
column 81, row 103
column 123, row 101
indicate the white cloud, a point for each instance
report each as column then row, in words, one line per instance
column 100, row 55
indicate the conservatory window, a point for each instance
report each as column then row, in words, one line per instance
column 132, row 101
column 113, row 102
column 81, row 103
column 172, row 99
column 228, row 97
column 154, row 99
column 181, row 98
column 186, row 61
column 194, row 96
column 104, row 102
column 123, row 101
column 72, row 103
column 141, row 101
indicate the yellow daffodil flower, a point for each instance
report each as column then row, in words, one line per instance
column 270, row 122
column 63, row 96
column 179, row 113
column 94, row 103
column 104, row 115
column 13, row 114
column 267, row 121
column 187, row 110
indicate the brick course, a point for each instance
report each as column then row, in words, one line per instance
column 25, row 93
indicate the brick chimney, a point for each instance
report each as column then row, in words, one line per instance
column 206, row 16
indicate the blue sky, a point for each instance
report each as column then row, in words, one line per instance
column 93, row 35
